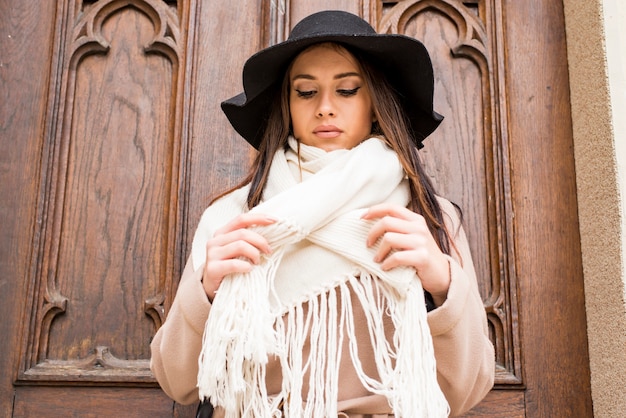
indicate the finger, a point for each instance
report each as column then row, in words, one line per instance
column 246, row 220
column 407, row 258
column 394, row 260
column 432, row 270
column 253, row 238
column 215, row 271
column 220, row 269
column 393, row 241
column 388, row 209
column 390, row 224
column 234, row 249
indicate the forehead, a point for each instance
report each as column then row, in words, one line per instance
column 325, row 56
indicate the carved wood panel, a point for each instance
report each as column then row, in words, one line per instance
column 467, row 156
column 109, row 216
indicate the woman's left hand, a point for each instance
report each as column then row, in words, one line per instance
column 406, row 241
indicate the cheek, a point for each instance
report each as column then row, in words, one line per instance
column 294, row 116
column 365, row 114
column 299, row 113
column 367, row 119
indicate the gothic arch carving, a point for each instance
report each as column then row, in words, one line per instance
column 473, row 21
column 72, row 154
column 87, row 33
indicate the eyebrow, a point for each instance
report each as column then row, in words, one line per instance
column 336, row 77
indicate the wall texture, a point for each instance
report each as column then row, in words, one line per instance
column 600, row 164
column 615, row 34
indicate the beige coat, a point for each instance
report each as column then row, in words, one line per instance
column 463, row 351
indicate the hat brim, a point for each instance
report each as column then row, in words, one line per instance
column 404, row 61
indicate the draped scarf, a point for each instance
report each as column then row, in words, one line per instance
column 318, row 197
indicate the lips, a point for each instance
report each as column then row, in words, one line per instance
column 327, row 131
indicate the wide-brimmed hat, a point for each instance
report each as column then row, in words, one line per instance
column 403, row 60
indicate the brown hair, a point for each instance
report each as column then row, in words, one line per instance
column 391, row 125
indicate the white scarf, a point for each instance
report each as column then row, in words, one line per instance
column 261, row 313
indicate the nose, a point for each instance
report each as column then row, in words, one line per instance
column 325, row 106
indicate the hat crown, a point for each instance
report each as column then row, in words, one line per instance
column 403, row 60
column 329, row 23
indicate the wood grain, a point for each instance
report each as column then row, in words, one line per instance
column 467, row 156
column 546, row 226
column 109, row 198
column 26, row 49
column 113, row 143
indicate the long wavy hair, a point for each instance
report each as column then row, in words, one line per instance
column 391, row 125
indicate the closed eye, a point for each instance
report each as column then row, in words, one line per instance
column 305, row 94
column 348, row 92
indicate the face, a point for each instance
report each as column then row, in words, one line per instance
column 329, row 103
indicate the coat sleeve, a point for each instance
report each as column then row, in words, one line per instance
column 463, row 350
column 176, row 346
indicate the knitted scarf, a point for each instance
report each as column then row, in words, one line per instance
column 277, row 307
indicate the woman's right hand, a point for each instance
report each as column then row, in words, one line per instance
column 234, row 249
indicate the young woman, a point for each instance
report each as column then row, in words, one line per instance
column 333, row 281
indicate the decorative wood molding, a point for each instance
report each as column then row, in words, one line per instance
column 276, row 20
column 99, row 367
column 479, row 34
column 72, row 170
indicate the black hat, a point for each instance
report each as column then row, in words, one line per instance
column 404, row 61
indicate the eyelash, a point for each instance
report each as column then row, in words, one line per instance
column 343, row 92
column 305, row 94
column 348, row 93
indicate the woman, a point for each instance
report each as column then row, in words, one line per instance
column 332, row 281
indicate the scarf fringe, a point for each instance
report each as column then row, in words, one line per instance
column 241, row 349
column 251, row 319
column 405, row 366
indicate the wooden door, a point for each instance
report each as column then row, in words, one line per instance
column 112, row 142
